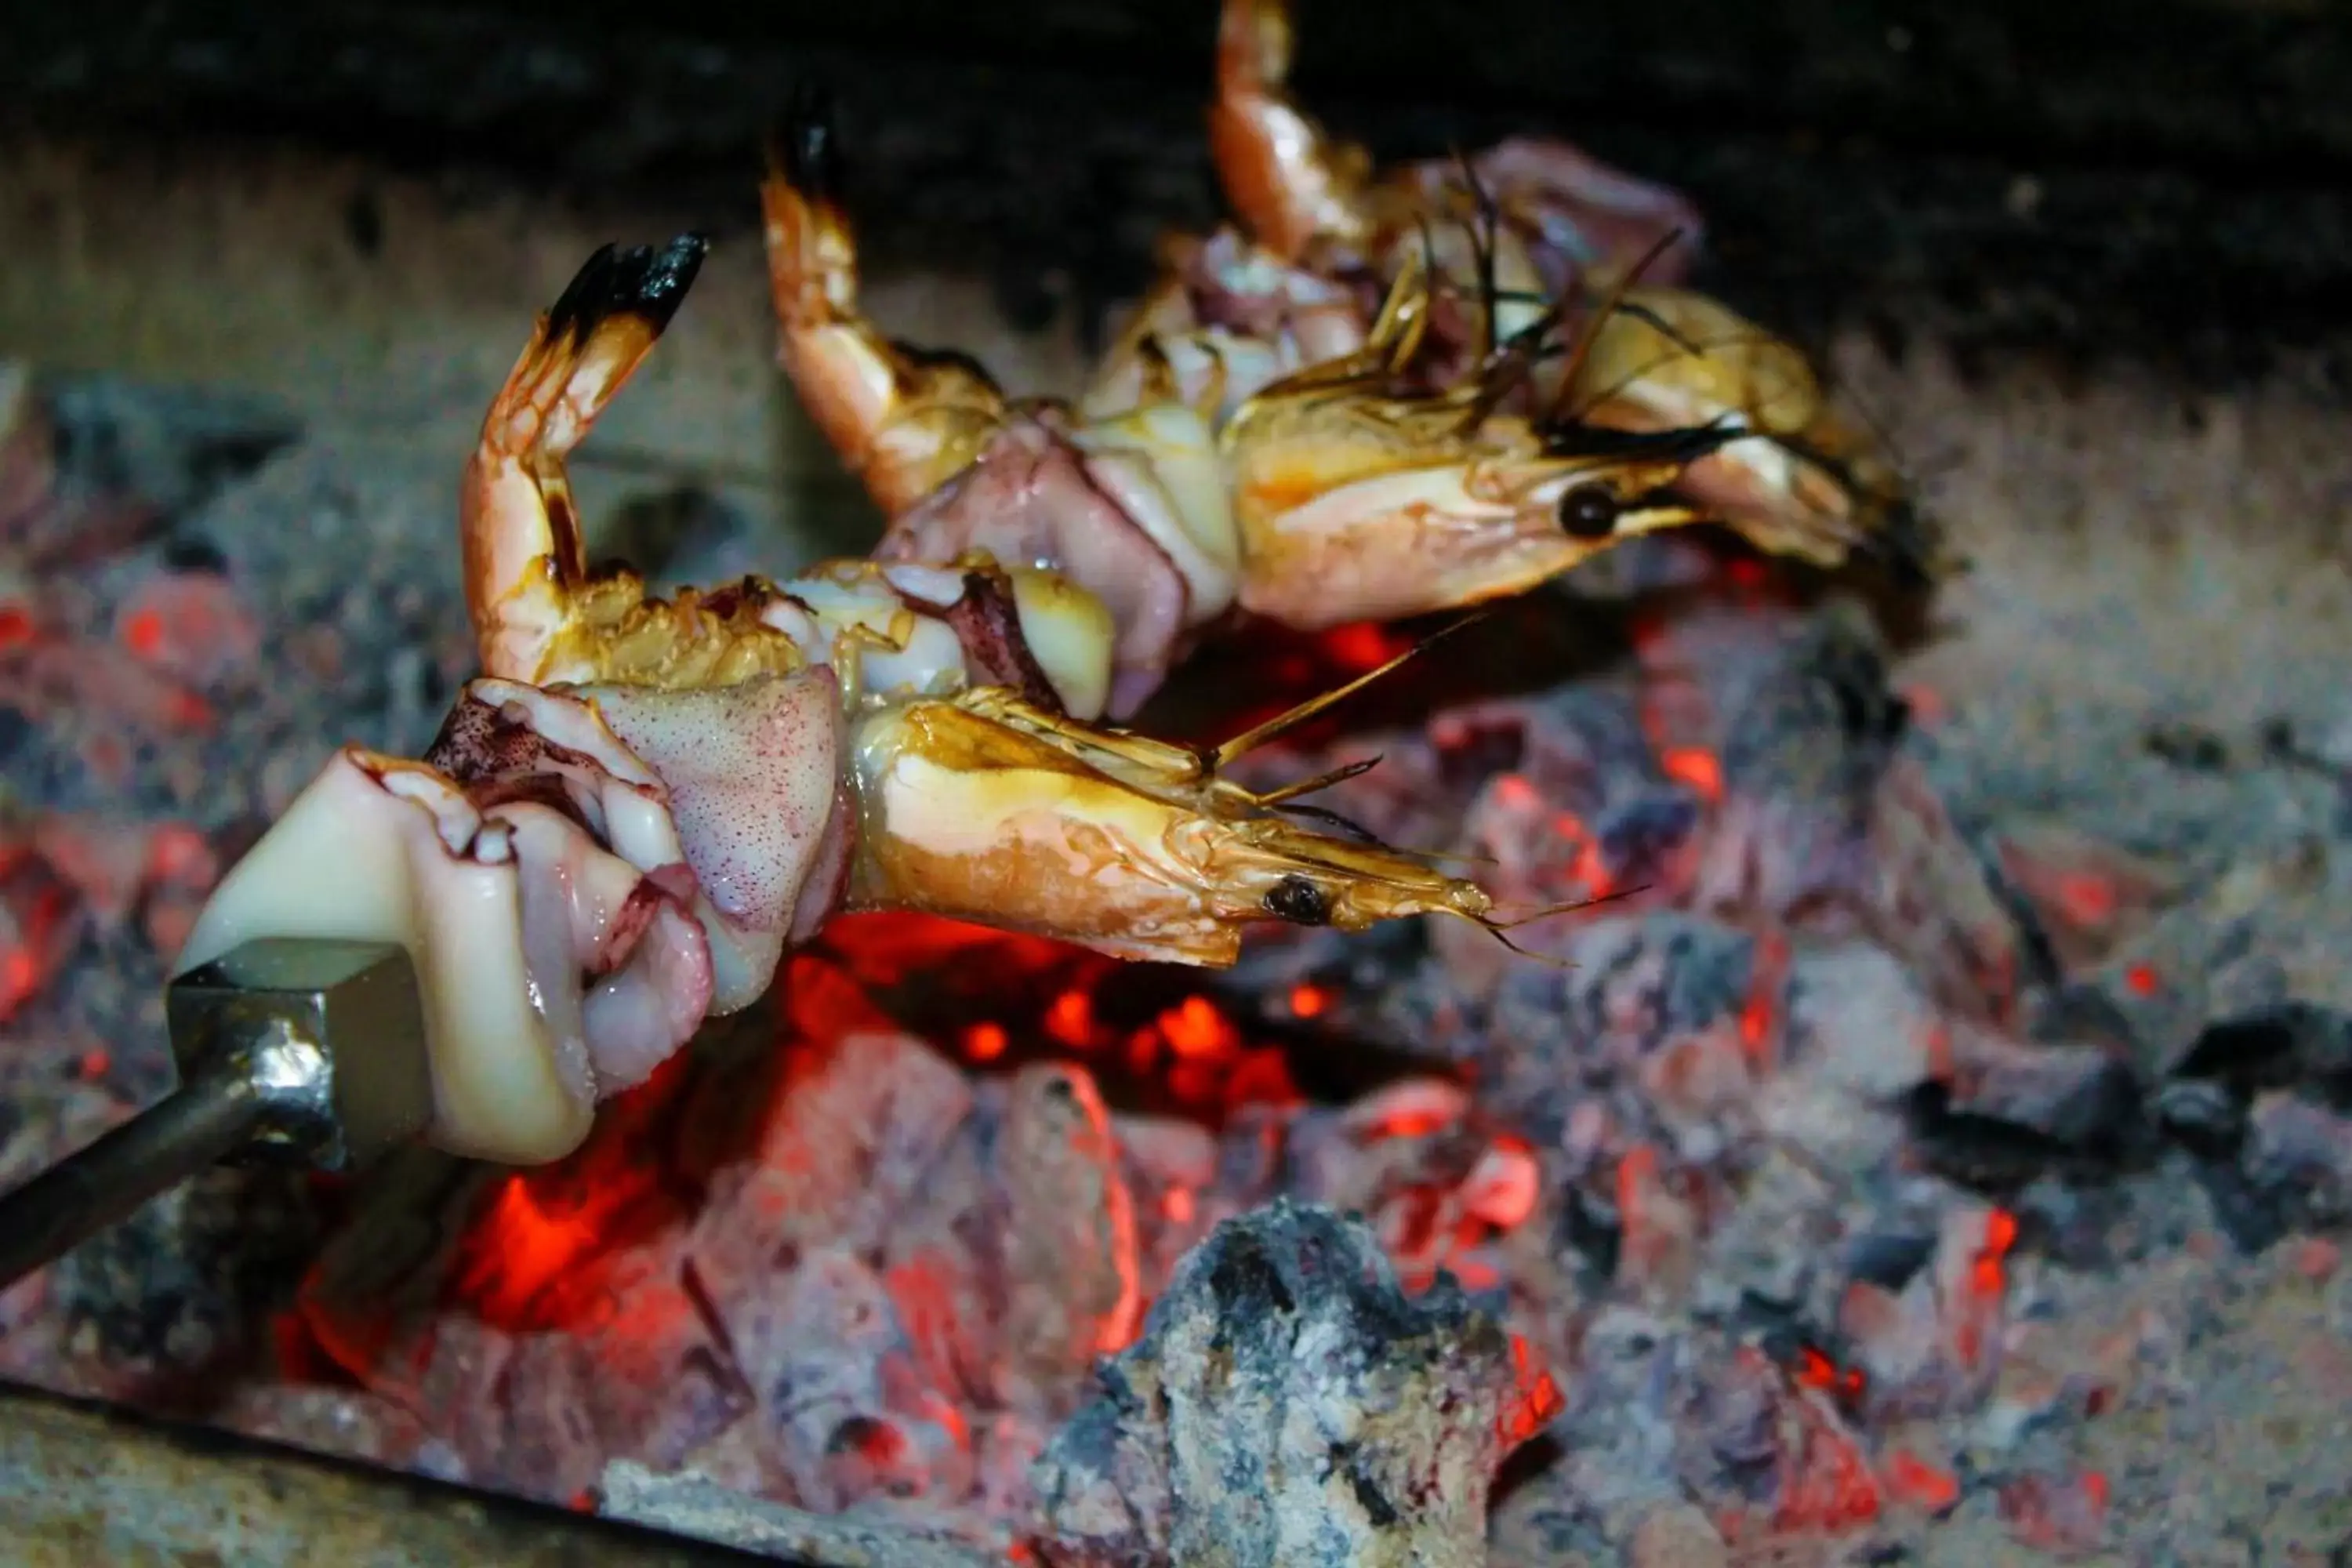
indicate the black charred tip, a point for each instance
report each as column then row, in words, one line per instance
column 645, row 281
column 807, row 146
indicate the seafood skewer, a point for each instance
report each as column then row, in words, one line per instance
column 642, row 803
column 1542, row 221
column 1341, row 492
column 1366, row 403
column 1321, row 234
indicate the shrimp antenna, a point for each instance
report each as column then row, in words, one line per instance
column 1338, row 775
column 1484, row 231
column 1581, row 349
column 1258, row 735
column 1500, row 929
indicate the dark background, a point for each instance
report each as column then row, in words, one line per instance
column 2168, row 181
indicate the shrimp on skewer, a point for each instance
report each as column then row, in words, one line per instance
column 1343, row 490
column 1542, row 221
column 643, row 802
column 1320, row 235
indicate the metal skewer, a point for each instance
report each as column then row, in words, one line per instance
column 300, row 1051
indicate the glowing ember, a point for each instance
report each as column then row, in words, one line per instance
column 1757, row 1181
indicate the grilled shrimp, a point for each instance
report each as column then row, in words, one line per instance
column 1343, row 490
column 1540, row 222
column 641, row 802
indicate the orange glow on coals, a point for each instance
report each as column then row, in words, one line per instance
column 1911, row 1479
column 1695, row 766
column 1988, row 1275
column 1195, row 1029
column 527, row 1262
column 1071, row 1020
column 1364, row 646
column 523, row 1247
column 985, row 1042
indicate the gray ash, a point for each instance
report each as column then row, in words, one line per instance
column 1931, row 1143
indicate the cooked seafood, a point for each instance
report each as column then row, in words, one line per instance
column 1341, row 492
column 643, row 802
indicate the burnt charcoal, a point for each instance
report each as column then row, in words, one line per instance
column 2289, row 1043
column 1635, row 980
column 1987, row 1153
column 1585, row 749
column 1302, row 1409
column 840, row 1392
column 2261, row 943
column 1069, row 1261
column 2301, row 1153
column 1588, row 1231
column 1809, row 725
column 2080, row 1098
column 2188, row 746
column 195, row 552
column 2081, row 1012
column 2206, row 1116
column 1889, row 1259
column 2255, row 1217
column 177, row 1290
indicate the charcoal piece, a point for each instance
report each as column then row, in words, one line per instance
column 1987, row 1153
column 844, row 1144
column 1889, row 1259
column 1636, row 990
column 1858, row 1022
column 1804, row 726
column 2085, row 894
column 841, row 1395
column 1297, row 1407
column 2205, row 1118
column 2078, row 1097
column 2292, row 1042
column 2302, row 1152
column 179, row 1287
column 1634, row 984
column 1588, row 810
column 1069, row 1239
column 2261, row 946
column 541, row 1440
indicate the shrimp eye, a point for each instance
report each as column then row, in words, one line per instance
column 1297, row 899
column 1588, row 511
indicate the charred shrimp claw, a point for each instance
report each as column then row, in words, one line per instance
column 904, row 420
column 540, row 614
column 1288, row 180
column 1804, row 480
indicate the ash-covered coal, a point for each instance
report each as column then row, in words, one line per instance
column 1288, row 1403
column 1926, row 1123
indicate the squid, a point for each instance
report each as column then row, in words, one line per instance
column 1304, row 421
column 643, row 802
